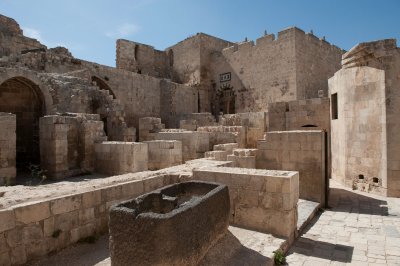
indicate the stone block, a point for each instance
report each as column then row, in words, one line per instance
column 91, row 199
column 66, row 221
column 32, row 212
column 65, row 204
column 7, row 218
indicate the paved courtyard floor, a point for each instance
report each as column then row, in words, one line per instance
column 358, row 229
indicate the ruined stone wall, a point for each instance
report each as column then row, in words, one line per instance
column 225, row 134
column 67, row 144
column 299, row 115
column 176, row 101
column 164, row 153
column 34, row 229
column 117, row 157
column 141, row 58
column 185, row 63
column 194, row 144
column 302, row 151
column 8, row 127
column 139, row 95
column 262, row 200
column 12, row 40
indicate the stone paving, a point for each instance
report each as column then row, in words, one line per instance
column 358, row 229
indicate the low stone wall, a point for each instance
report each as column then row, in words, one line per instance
column 221, row 151
column 117, row 157
column 255, row 123
column 225, row 134
column 8, row 127
column 253, row 119
column 67, row 143
column 34, row 229
column 202, row 119
column 302, row 151
column 175, row 225
column 216, row 155
column 148, row 126
column 253, row 135
column 243, row 158
column 194, row 144
column 262, row 200
column 189, row 124
column 164, row 153
column 228, row 147
column 299, row 115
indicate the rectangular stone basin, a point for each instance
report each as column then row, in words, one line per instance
column 174, row 225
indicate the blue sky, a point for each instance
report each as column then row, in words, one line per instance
column 89, row 28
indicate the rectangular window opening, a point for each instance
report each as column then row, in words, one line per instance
column 334, row 106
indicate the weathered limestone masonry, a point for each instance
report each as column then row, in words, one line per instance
column 221, row 151
column 256, row 124
column 365, row 122
column 302, row 151
column 243, row 158
column 295, row 66
column 12, row 40
column 194, row 143
column 262, row 200
column 116, row 157
column 148, row 126
column 299, row 115
column 141, row 58
column 201, row 119
column 34, row 229
column 67, row 143
column 164, row 153
column 223, row 134
column 8, row 126
column 243, row 77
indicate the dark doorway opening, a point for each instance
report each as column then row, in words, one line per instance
column 227, row 97
column 23, row 98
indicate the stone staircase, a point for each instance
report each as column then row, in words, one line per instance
column 78, row 95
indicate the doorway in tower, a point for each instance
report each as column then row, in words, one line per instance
column 226, row 99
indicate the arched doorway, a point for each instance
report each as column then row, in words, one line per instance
column 23, row 98
column 226, row 99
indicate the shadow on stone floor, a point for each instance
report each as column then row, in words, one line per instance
column 80, row 254
column 341, row 200
column 323, row 250
column 229, row 251
column 320, row 249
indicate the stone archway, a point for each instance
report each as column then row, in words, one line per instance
column 226, row 99
column 102, row 85
column 22, row 97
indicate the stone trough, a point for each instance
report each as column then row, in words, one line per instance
column 174, row 225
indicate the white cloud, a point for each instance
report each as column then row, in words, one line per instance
column 124, row 30
column 32, row 33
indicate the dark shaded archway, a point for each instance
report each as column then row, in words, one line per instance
column 21, row 96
